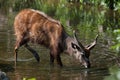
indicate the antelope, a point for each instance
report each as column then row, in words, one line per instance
column 36, row 27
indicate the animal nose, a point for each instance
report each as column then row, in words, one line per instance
column 87, row 64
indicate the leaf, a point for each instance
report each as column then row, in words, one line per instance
column 116, row 31
column 24, row 78
column 29, row 79
column 32, row 79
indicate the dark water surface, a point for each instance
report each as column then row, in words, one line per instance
column 28, row 67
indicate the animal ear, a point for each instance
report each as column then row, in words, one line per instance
column 92, row 45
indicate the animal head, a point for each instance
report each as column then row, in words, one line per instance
column 81, row 52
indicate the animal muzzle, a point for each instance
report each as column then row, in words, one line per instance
column 87, row 64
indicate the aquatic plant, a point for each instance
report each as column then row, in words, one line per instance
column 29, row 78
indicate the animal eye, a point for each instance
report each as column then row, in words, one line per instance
column 74, row 45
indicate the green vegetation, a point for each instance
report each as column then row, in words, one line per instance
column 116, row 47
column 29, row 79
column 89, row 17
column 115, row 73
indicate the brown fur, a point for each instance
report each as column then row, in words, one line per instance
column 36, row 27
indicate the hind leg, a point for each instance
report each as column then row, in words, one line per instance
column 33, row 52
column 19, row 43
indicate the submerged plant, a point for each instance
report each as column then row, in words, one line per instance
column 29, row 79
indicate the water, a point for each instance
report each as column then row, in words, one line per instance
column 27, row 67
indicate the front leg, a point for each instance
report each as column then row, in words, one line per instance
column 59, row 60
column 56, row 56
column 51, row 59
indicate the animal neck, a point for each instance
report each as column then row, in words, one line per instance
column 67, row 45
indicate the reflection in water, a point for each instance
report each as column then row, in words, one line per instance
column 44, row 73
column 51, row 74
column 19, row 59
column 17, row 76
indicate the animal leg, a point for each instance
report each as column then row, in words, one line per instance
column 56, row 56
column 18, row 44
column 33, row 52
column 15, row 52
column 51, row 59
column 59, row 60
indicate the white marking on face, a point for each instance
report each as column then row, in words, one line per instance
column 78, row 56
